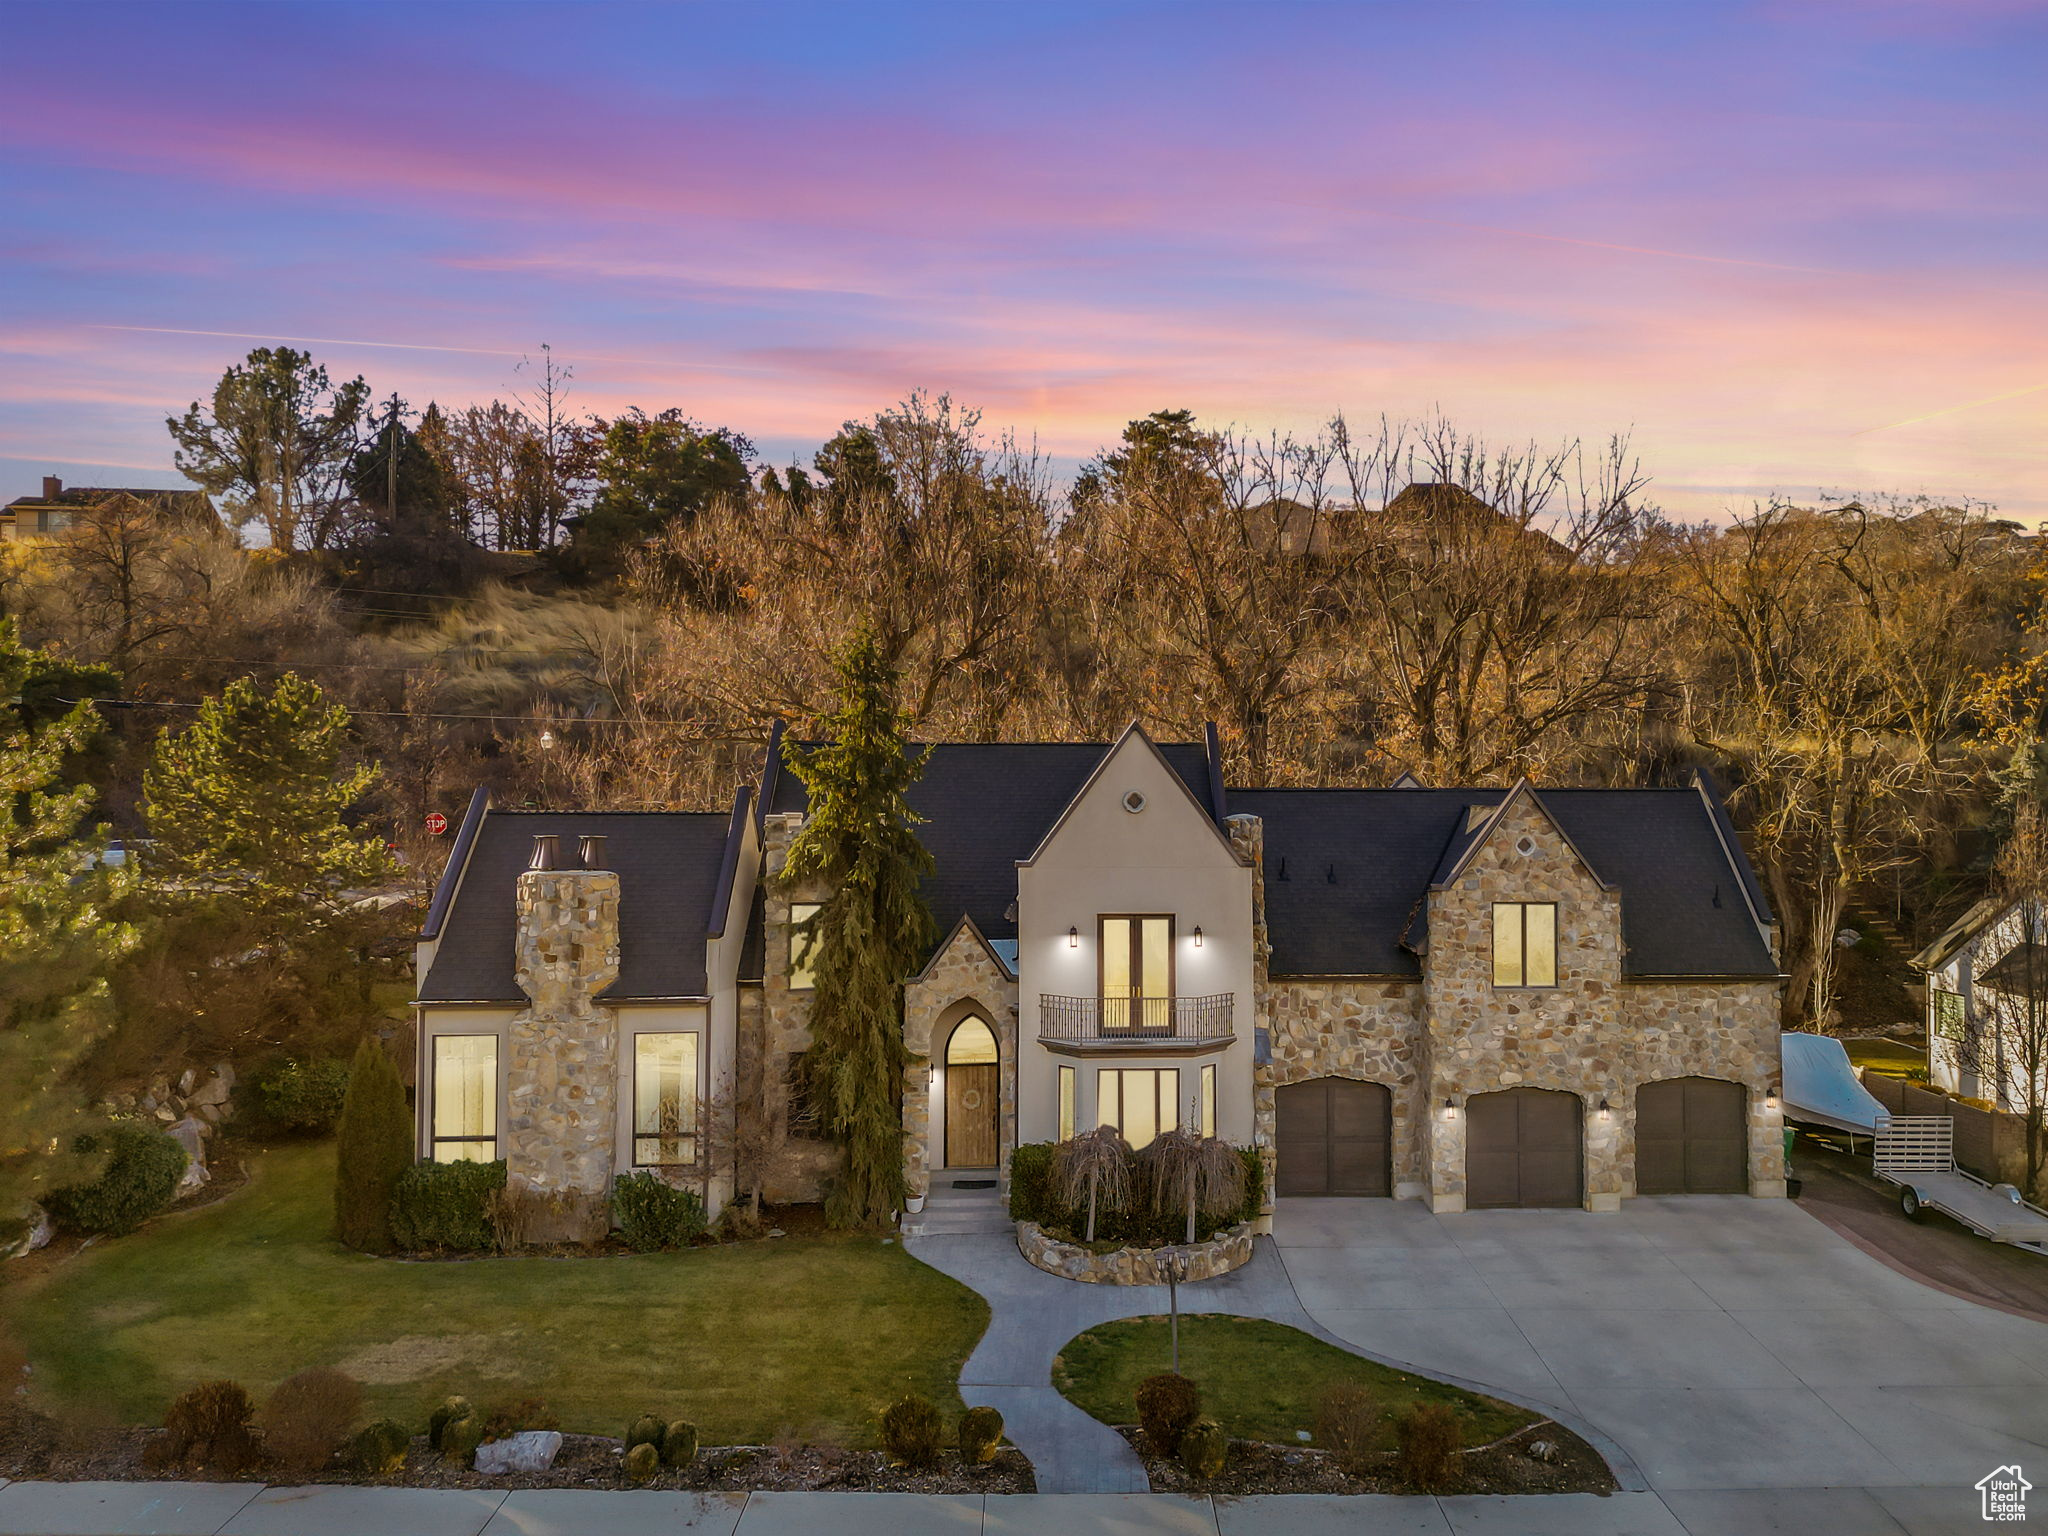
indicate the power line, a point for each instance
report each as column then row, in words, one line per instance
column 410, row 714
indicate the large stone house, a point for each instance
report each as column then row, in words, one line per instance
column 1472, row 997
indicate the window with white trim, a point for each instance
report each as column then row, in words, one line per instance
column 465, row 1118
column 665, row 1099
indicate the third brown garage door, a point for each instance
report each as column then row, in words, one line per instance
column 1691, row 1138
column 1522, row 1148
column 1333, row 1138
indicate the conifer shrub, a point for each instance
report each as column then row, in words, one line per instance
column 1204, row 1448
column 1348, row 1426
column 445, row 1207
column 1167, row 1405
column 679, row 1444
column 139, row 1178
column 642, row 1462
column 460, row 1438
column 646, row 1430
column 378, row 1448
column 981, row 1433
column 208, row 1426
column 1031, row 1184
column 304, row 1095
column 307, row 1418
column 913, row 1433
column 445, row 1413
column 373, row 1148
column 1429, row 1443
column 653, row 1214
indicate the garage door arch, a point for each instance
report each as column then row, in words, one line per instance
column 1333, row 1136
column 1692, row 1137
column 1524, row 1147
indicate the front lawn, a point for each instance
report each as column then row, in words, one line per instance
column 1259, row 1380
column 804, row 1336
column 1888, row 1058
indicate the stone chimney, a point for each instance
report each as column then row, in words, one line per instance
column 52, row 487
column 562, row 1069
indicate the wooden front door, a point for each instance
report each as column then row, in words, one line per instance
column 1692, row 1137
column 1523, row 1147
column 1333, row 1138
column 973, row 1093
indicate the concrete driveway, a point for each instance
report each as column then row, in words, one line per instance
column 1732, row 1346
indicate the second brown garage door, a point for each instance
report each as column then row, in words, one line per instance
column 1522, row 1147
column 1691, row 1138
column 1333, row 1138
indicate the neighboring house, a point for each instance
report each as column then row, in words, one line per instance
column 1473, row 997
column 1987, row 1002
column 33, row 517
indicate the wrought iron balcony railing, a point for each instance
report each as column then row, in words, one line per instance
column 1137, row 1020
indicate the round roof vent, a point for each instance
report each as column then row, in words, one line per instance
column 1134, row 800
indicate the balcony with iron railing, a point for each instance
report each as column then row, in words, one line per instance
column 1146, row 1025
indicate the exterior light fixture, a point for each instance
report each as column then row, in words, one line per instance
column 1073, row 938
column 1771, row 1103
column 1605, row 1112
column 547, row 740
column 1198, row 935
column 1450, row 1109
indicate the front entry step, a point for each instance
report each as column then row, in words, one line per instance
column 951, row 1210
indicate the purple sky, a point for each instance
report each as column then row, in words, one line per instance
column 1791, row 247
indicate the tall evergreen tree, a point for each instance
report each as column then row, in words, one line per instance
column 58, row 934
column 373, row 1146
column 872, row 932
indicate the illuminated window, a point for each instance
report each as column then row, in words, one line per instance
column 664, row 1100
column 1066, row 1102
column 803, row 944
column 1209, row 1100
column 1139, row 1101
column 465, row 1098
column 1137, row 973
column 1524, row 944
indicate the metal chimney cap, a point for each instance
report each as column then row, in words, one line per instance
column 590, row 850
column 545, row 845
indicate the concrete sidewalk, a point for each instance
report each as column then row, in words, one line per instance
column 251, row 1509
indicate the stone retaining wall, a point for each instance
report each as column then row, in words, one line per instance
column 1227, row 1250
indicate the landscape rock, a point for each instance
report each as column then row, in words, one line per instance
column 186, row 1080
column 225, row 1071
column 212, row 1092
column 40, row 1231
column 191, row 1135
column 531, row 1450
column 165, row 1113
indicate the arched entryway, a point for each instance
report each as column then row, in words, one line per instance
column 1524, row 1146
column 973, row 1094
column 1333, row 1136
column 1692, row 1137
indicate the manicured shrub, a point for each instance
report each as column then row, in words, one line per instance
column 378, row 1448
column 445, row 1207
column 1348, row 1426
column 981, row 1432
column 913, row 1433
column 307, row 1417
column 646, row 1430
column 1167, row 1405
column 1031, row 1184
column 1430, row 1440
column 516, row 1418
column 449, row 1410
column 304, row 1095
column 140, row 1175
column 373, row 1147
column 653, row 1214
column 1204, row 1448
column 208, row 1426
column 679, row 1444
column 1254, row 1185
column 642, row 1462
column 460, row 1438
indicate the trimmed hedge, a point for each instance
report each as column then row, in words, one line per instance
column 1031, row 1199
column 141, row 1174
column 305, row 1095
column 446, row 1207
column 653, row 1214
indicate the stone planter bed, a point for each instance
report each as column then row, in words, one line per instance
column 1505, row 1467
column 1227, row 1250
column 34, row 1447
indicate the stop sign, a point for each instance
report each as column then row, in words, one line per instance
column 436, row 823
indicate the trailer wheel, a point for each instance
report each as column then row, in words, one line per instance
column 1910, row 1206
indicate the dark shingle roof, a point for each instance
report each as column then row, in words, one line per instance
column 1346, row 870
column 668, row 866
column 988, row 804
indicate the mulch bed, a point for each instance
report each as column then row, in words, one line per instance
column 1503, row 1467
column 32, row 1446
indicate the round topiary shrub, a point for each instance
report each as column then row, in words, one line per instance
column 305, row 1095
column 653, row 1214
column 307, row 1417
column 981, row 1432
column 646, row 1430
column 642, row 1462
column 209, row 1427
column 1204, row 1448
column 379, row 1448
column 460, row 1438
column 1167, row 1405
column 913, row 1433
column 141, row 1174
column 679, row 1444
column 450, row 1409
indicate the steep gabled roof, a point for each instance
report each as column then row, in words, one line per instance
column 1194, row 798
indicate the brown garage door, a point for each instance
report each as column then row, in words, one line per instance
column 1522, row 1147
column 1691, row 1138
column 1334, row 1138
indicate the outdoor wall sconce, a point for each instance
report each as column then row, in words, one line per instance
column 1605, row 1112
column 547, row 740
column 1198, row 935
column 1770, row 1103
column 1450, row 1109
column 1073, row 938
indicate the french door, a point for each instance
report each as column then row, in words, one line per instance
column 1137, row 974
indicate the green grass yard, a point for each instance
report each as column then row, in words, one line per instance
column 1259, row 1380
column 810, row 1336
column 1888, row 1058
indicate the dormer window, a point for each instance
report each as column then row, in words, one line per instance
column 1524, row 944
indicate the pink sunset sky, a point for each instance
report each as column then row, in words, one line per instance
column 1790, row 248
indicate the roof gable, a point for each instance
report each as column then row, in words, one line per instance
column 1179, row 795
column 1462, row 850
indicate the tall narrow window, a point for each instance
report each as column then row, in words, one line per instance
column 1948, row 1014
column 1524, row 944
column 1066, row 1102
column 803, row 944
column 1139, row 1101
column 465, row 1098
column 664, row 1100
column 1209, row 1100
column 1137, row 973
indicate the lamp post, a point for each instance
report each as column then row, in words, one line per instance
column 1173, row 1265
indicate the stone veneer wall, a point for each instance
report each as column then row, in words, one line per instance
column 964, row 972
column 1132, row 1266
column 1247, row 836
column 1354, row 1027
column 561, row 1067
column 1725, row 1029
